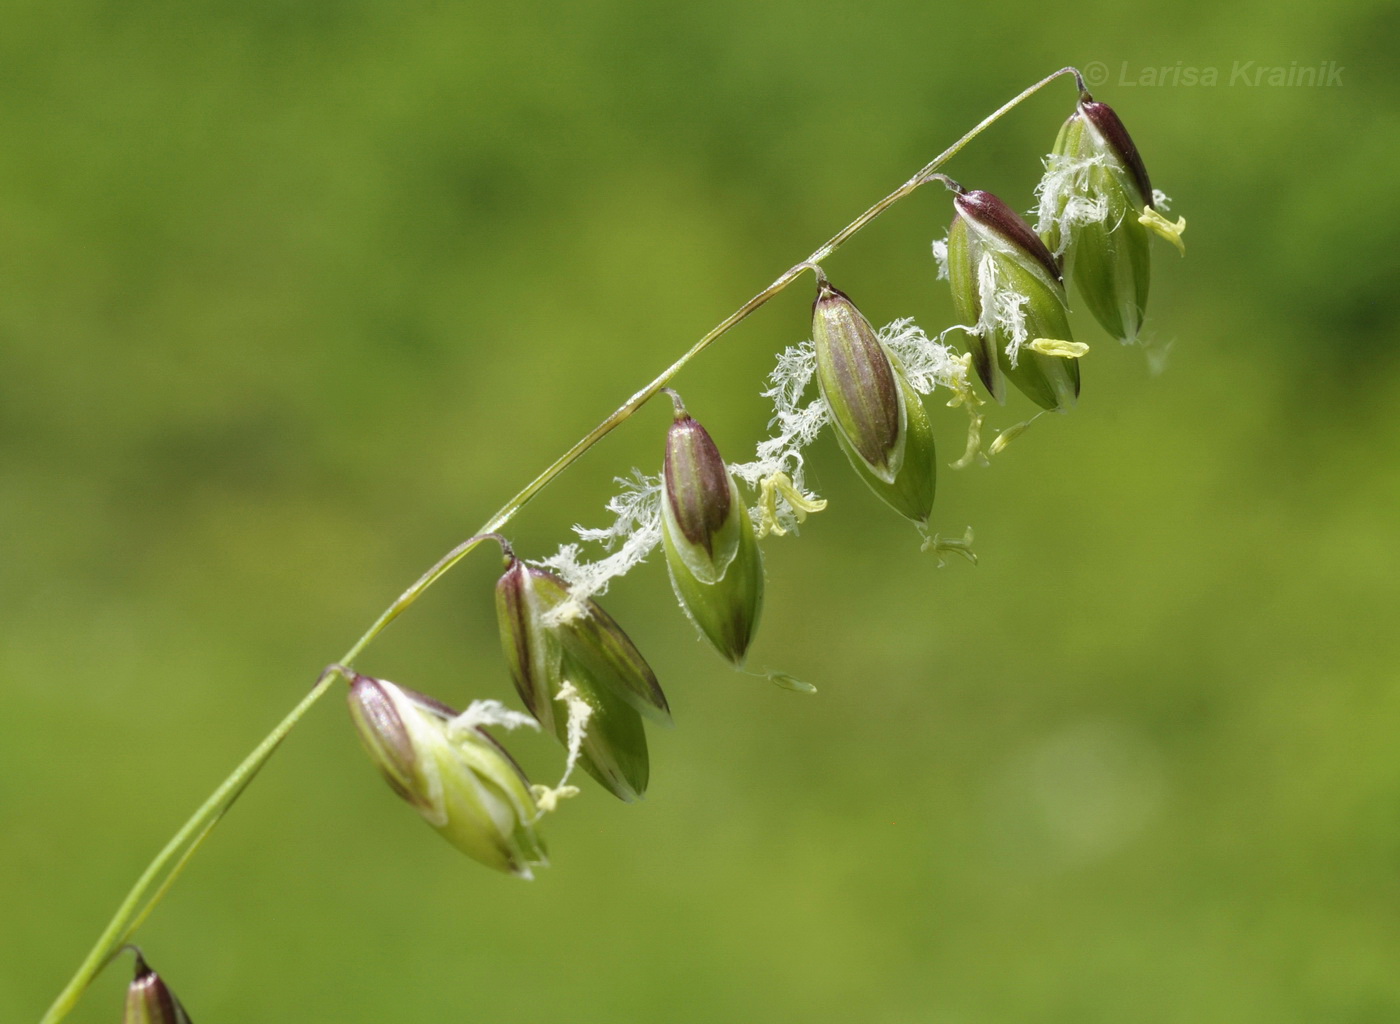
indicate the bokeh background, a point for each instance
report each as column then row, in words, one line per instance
column 293, row 295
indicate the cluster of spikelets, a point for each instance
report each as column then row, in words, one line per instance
column 576, row 670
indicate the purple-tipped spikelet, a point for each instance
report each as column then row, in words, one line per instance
column 1008, row 290
column 552, row 639
column 879, row 418
column 1097, row 207
column 150, row 1001
column 454, row 773
column 711, row 552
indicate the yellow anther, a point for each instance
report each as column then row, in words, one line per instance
column 1171, row 232
column 547, row 797
column 1010, row 434
column 1056, row 347
column 788, row 682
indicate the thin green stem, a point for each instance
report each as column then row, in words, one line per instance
column 161, row 873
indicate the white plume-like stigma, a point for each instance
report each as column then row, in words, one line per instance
column 928, row 364
column 1065, row 198
column 634, row 534
column 940, row 257
column 779, row 457
column 1003, row 307
column 490, row 712
column 580, row 711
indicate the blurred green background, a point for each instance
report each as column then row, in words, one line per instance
column 293, row 295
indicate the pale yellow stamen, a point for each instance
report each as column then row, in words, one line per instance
column 961, row 546
column 769, row 488
column 964, row 396
column 1171, row 232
